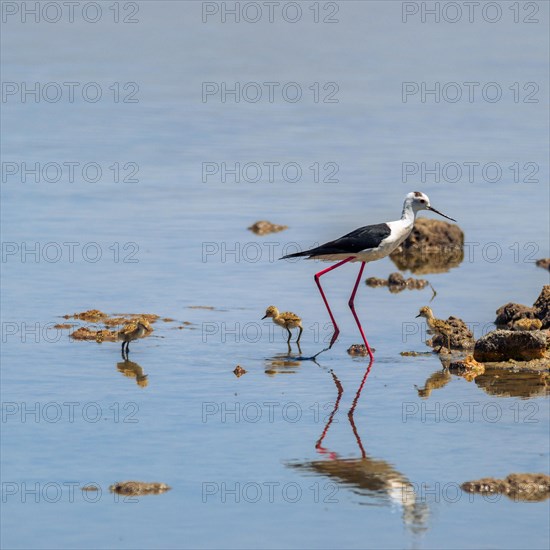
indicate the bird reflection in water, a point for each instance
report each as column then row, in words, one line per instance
column 439, row 379
column 133, row 370
column 283, row 363
column 367, row 476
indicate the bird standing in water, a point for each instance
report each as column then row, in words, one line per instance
column 130, row 332
column 437, row 326
column 286, row 320
column 367, row 244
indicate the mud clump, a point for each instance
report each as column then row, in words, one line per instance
column 359, row 350
column 509, row 314
column 239, row 371
column 111, row 324
column 124, row 319
column 86, row 333
column 502, row 345
column 468, row 368
column 397, row 283
column 92, row 316
column 434, row 246
column 62, row 326
column 264, row 227
column 544, row 263
column 184, row 324
column 525, row 487
column 138, row 488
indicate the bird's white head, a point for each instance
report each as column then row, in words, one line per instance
column 417, row 201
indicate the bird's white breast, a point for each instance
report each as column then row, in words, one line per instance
column 400, row 230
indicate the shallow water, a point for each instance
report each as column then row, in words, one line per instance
column 240, row 453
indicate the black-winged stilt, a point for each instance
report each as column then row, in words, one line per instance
column 367, row 244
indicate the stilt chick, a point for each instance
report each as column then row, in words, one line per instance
column 131, row 332
column 437, row 326
column 286, row 320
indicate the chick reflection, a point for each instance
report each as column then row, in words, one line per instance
column 439, row 379
column 366, row 475
column 133, row 370
column 281, row 363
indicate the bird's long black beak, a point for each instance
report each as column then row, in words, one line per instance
column 418, row 315
column 438, row 212
column 264, row 317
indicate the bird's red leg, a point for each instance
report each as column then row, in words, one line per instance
column 352, row 307
column 317, row 277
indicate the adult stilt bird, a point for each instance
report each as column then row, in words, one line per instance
column 367, row 244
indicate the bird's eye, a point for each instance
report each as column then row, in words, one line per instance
column 422, row 201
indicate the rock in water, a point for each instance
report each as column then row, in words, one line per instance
column 502, row 345
column 264, row 227
column 461, row 336
column 433, row 246
column 468, row 368
column 542, row 306
column 359, row 350
column 239, row 371
column 510, row 313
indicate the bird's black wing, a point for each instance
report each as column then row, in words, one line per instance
column 363, row 238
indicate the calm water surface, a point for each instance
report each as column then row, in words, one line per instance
column 250, row 460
